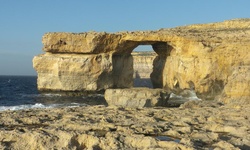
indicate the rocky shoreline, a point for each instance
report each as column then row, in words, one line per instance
column 210, row 59
column 194, row 125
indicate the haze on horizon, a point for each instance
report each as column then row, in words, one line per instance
column 23, row 23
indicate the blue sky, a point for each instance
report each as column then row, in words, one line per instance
column 23, row 22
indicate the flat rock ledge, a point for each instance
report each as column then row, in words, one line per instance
column 136, row 97
column 201, row 125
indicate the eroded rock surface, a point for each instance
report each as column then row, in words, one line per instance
column 136, row 97
column 196, row 125
column 143, row 68
column 198, row 57
column 73, row 72
column 238, row 88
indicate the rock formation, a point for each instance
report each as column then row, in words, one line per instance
column 198, row 125
column 238, row 89
column 136, row 97
column 201, row 57
column 72, row 72
column 143, row 67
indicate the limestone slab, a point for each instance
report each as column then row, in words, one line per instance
column 136, row 97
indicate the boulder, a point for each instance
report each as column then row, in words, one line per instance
column 136, row 97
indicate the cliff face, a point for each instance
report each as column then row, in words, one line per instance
column 205, row 58
column 143, row 67
column 72, row 72
column 238, row 87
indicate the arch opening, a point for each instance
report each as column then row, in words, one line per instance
column 141, row 66
column 143, row 57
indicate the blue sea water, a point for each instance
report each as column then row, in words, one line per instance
column 20, row 92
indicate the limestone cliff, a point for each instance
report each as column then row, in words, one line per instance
column 201, row 57
column 73, row 72
column 143, row 67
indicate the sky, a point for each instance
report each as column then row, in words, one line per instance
column 23, row 22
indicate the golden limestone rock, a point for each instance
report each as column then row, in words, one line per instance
column 206, row 126
column 202, row 57
column 72, row 72
column 136, row 97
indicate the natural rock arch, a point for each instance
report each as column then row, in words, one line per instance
column 199, row 57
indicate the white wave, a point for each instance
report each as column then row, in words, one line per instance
column 41, row 95
column 51, row 95
column 19, row 107
column 188, row 95
column 39, row 105
column 76, row 105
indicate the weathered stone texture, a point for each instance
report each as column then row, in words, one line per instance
column 143, row 64
column 73, row 72
column 136, row 97
column 143, row 68
column 86, row 43
column 198, row 57
column 73, row 43
column 122, row 71
column 201, row 125
column 237, row 90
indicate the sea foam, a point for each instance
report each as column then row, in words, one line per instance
column 38, row 105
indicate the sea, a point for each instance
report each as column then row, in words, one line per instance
column 20, row 92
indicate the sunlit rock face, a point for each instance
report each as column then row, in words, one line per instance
column 199, row 57
column 237, row 89
column 136, row 97
column 76, row 72
column 143, row 67
column 71, row 72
